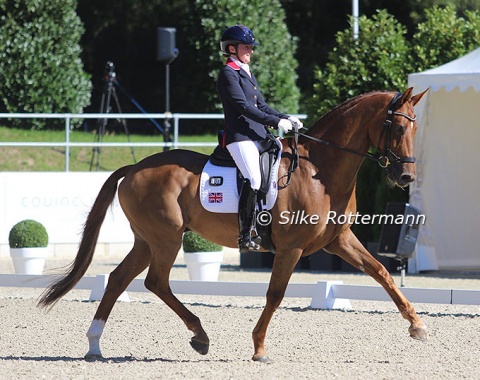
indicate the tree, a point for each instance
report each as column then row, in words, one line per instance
column 40, row 62
column 124, row 31
column 273, row 61
column 381, row 59
column 444, row 36
column 377, row 60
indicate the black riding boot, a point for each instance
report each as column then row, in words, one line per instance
column 247, row 219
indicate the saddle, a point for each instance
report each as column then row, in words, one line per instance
column 268, row 149
column 221, row 181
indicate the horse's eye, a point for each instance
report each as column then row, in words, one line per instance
column 400, row 129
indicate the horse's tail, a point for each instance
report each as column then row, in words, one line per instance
column 84, row 257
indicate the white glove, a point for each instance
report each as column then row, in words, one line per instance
column 285, row 125
column 296, row 122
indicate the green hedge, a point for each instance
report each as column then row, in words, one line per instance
column 40, row 63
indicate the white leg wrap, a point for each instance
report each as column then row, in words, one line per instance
column 93, row 334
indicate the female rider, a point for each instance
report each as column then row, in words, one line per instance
column 247, row 117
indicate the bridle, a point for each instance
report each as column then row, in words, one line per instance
column 384, row 159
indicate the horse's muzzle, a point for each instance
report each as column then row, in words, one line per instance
column 401, row 175
column 405, row 179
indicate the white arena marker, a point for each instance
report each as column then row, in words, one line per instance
column 98, row 289
column 324, row 298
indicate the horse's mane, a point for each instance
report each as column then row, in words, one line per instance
column 341, row 108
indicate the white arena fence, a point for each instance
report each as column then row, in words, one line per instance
column 176, row 117
column 323, row 294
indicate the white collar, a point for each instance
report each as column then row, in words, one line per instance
column 242, row 65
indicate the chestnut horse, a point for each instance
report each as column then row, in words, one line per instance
column 160, row 197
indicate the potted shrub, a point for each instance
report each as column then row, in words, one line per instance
column 28, row 242
column 202, row 257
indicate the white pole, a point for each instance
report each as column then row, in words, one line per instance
column 355, row 13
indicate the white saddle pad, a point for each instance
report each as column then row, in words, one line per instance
column 218, row 188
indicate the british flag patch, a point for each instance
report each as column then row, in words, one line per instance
column 215, row 197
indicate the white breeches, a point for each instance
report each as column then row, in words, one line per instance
column 246, row 156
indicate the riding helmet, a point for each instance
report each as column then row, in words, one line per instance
column 238, row 34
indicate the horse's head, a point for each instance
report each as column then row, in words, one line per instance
column 396, row 137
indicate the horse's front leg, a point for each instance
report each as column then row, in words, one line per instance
column 347, row 246
column 283, row 267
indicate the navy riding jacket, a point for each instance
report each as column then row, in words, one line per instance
column 247, row 115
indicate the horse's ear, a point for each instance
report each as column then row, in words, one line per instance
column 404, row 98
column 416, row 98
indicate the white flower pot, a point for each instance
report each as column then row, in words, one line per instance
column 29, row 260
column 203, row 266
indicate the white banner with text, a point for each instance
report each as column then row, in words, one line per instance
column 60, row 201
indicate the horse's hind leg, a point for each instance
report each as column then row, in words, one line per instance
column 135, row 262
column 347, row 246
column 157, row 281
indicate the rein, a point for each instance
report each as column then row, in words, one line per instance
column 381, row 158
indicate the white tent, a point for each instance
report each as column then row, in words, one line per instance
column 447, row 146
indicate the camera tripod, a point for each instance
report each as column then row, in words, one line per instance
column 105, row 107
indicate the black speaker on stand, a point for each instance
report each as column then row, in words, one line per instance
column 399, row 233
column 166, row 52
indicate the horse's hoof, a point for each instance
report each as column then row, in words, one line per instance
column 200, row 347
column 93, row 357
column 419, row 333
column 262, row 359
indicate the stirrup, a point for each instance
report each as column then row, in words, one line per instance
column 247, row 243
